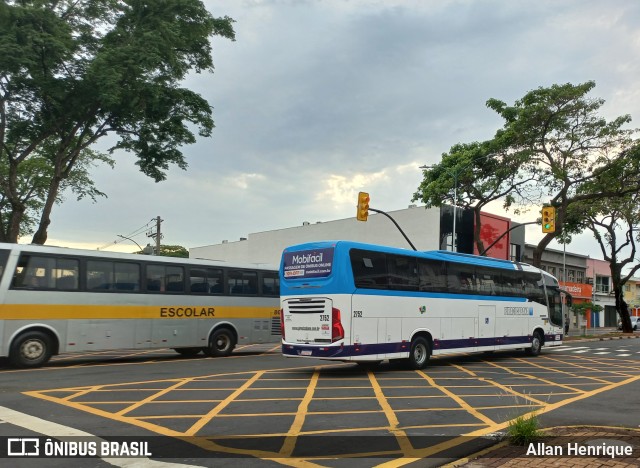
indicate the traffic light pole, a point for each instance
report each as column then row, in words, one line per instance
column 505, row 232
column 397, row 225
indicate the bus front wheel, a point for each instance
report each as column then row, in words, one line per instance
column 420, row 353
column 31, row 349
column 221, row 343
column 536, row 344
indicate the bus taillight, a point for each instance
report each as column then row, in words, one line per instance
column 282, row 323
column 337, row 330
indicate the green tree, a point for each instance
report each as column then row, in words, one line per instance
column 554, row 147
column 472, row 176
column 174, row 251
column 72, row 73
column 613, row 223
column 570, row 149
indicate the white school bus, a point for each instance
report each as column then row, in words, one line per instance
column 347, row 301
column 56, row 300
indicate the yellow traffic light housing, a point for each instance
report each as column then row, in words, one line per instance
column 548, row 219
column 363, row 206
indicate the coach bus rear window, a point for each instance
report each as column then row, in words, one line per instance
column 308, row 263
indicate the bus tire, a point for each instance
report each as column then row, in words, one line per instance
column 188, row 352
column 420, row 353
column 536, row 344
column 30, row 349
column 221, row 343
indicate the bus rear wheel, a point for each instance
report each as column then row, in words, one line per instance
column 420, row 353
column 31, row 349
column 221, row 343
column 536, row 344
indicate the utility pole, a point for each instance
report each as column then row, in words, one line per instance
column 156, row 235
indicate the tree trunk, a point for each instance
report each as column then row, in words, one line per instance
column 623, row 309
column 40, row 236
column 539, row 250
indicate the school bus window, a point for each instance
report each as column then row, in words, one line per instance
column 270, row 285
column 164, row 278
column 35, row 272
column 206, row 280
column 243, row 282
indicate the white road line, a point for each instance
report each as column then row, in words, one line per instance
column 581, row 351
column 623, row 355
column 52, row 429
column 604, row 352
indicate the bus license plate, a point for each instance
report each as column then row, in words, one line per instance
column 305, row 352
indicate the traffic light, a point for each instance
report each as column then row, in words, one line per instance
column 548, row 219
column 363, row 206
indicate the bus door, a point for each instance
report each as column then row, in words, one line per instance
column 486, row 325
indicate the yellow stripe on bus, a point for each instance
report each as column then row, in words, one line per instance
column 74, row 311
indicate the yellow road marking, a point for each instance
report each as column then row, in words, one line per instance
column 470, row 409
column 222, row 405
column 573, row 374
column 400, row 435
column 532, row 377
column 500, row 386
column 292, row 435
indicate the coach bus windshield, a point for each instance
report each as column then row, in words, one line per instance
column 554, row 298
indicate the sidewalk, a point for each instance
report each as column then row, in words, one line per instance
column 561, row 446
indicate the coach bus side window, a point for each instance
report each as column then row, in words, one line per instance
column 488, row 281
column 243, row 282
column 270, row 284
column 369, row 269
column 432, row 276
column 461, row 278
column 533, row 288
column 403, row 272
column 206, row 281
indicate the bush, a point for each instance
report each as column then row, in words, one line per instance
column 523, row 430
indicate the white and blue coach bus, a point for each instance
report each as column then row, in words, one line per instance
column 348, row 301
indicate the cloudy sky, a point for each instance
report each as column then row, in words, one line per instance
column 318, row 99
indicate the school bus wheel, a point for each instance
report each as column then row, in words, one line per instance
column 221, row 343
column 30, row 349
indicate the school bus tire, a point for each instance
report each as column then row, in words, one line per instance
column 188, row 352
column 221, row 343
column 420, row 353
column 30, row 349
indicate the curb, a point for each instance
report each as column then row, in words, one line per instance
column 474, row 456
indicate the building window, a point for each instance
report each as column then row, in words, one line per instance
column 627, row 287
column 602, row 284
column 551, row 270
column 571, row 276
column 579, row 276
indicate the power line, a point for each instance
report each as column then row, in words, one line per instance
column 136, row 232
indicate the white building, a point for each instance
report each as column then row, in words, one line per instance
column 421, row 225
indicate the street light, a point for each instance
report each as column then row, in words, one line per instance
column 128, row 238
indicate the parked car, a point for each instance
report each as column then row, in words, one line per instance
column 634, row 323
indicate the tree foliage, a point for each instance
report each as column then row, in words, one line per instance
column 72, row 72
column 554, row 148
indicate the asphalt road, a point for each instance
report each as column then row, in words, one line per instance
column 257, row 408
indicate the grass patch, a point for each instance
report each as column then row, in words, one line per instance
column 524, row 429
